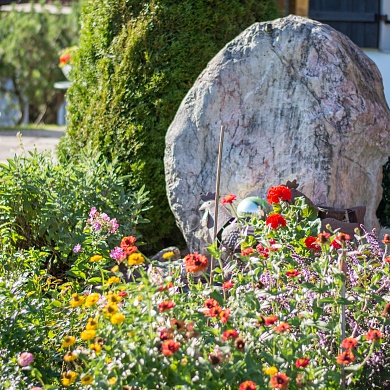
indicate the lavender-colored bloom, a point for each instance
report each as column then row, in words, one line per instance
column 96, row 226
column 114, row 225
column 77, row 248
column 117, row 254
column 93, row 212
column 25, row 359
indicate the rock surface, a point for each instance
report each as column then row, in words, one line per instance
column 298, row 100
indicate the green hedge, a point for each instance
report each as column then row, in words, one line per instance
column 136, row 62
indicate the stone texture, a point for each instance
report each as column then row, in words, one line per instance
column 299, row 101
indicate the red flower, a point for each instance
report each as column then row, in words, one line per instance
column 229, row 334
column 283, row 327
column 270, row 320
column 228, row 199
column 65, row 58
column 279, row 381
column 386, row 239
column 275, row 220
column 122, row 293
column 374, row 335
column 164, row 334
column 278, row 193
column 248, row 385
column 227, row 285
column 247, row 251
column 302, row 362
column 127, row 244
column 293, row 273
column 213, row 308
column 387, row 259
column 224, row 315
column 178, row 325
column 349, row 343
column 169, row 347
column 311, row 243
column 195, row 262
column 166, row 305
column 346, row 357
column 340, row 240
column 262, row 250
column 335, row 244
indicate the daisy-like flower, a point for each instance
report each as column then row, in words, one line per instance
column 117, row 318
column 195, row 262
column 270, row 320
column 323, row 238
column 88, row 334
column 178, row 325
column 270, row 370
column 227, row 285
column 77, row 300
column 86, row 380
column 230, row 334
column 279, row 193
column 113, row 280
column 374, row 335
column 168, row 255
column 95, row 258
column 169, row 347
column 292, row 273
column 70, row 356
column 349, row 343
column 275, row 221
column 247, row 252
column 228, row 199
column 135, row 259
column 114, row 298
column 110, row 309
column 224, row 316
column 68, row 341
column 248, row 385
column 281, row 328
column 239, row 343
column 166, row 305
column 279, row 381
column 302, row 362
column 386, row 310
column 127, row 244
column 346, row 357
column 97, row 348
column 92, row 299
column 68, row 378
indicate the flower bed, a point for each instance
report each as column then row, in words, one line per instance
column 296, row 308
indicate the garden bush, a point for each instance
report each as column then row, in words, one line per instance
column 43, row 203
column 294, row 308
column 136, row 62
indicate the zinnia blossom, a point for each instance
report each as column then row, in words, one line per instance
column 279, row 381
column 135, row 259
column 349, row 343
column 270, row 370
column 68, row 378
column 293, row 273
column 127, row 244
column 95, row 258
column 86, row 380
column 227, row 285
column 25, row 359
column 278, row 193
column 248, row 385
column 346, row 357
column 169, row 347
column 92, row 299
column 275, row 220
column 88, row 334
column 386, row 239
column 302, row 362
column 92, row 324
column 76, row 300
column 166, row 305
column 195, row 262
column 230, row 334
column 311, row 243
column 117, row 318
column 373, row 335
column 70, row 356
column 68, row 341
column 228, row 199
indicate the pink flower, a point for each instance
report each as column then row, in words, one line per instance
column 114, row 225
column 25, row 359
column 93, row 212
column 118, row 254
column 77, row 248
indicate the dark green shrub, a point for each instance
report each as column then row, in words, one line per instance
column 44, row 204
column 136, row 62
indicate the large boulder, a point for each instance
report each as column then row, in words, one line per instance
column 298, row 100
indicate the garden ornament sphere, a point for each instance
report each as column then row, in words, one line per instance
column 253, row 206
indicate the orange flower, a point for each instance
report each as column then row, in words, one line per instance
column 227, row 285
column 127, row 244
column 230, row 334
column 275, row 220
column 270, row 320
column 323, row 238
column 224, row 315
column 373, row 335
column 195, row 262
column 228, row 199
column 386, row 239
column 302, row 362
column 292, row 273
column 166, row 305
column 278, row 193
column 279, row 381
column 248, row 385
column 247, row 251
column 346, row 357
column 283, row 327
column 169, row 347
column 349, row 343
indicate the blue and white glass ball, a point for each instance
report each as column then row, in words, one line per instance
column 253, row 206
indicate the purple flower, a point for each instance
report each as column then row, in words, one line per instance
column 93, row 212
column 105, row 217
column 117, row 254
column 77, row 248
column 25, row 359
column 96, row 226
column 114, row 225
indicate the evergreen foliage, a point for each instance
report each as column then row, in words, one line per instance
column 136, row 62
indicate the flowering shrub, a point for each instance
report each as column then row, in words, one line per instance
column 290, row 311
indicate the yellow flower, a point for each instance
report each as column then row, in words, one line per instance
column 110, row 309
column 96, row 347
column 70, row 356
column 117, row 318
column 68, row 341
column 76, row 300
column 68, row 378
column 270, row 370
column 113, row 279
column 88, row 334
column 92, row 324
column 135, row 259
column 113, row 298
column 114, row 268
column 112, row 380
column 92, row 299
column 95, row 258
column 86, row 380
column 168, row 255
